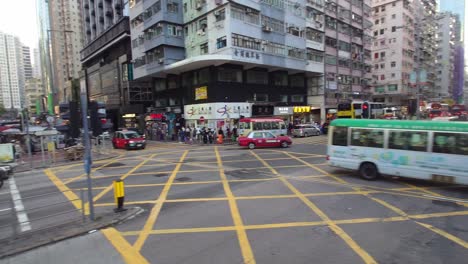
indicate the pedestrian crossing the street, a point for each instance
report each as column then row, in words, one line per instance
column 315, row 140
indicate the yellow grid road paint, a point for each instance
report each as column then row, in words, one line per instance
column 157, row 207
column 84, row 174
column 334, row 227
column 66, row 191
column 296, row 224
column 246, row 248
column 128, row 253
column 109, row 187
column 450, row 237
column 387, row 205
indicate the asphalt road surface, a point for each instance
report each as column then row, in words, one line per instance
column 224, row 204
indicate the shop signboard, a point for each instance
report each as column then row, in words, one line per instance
column 6, row 152
column 212, row 111
column 301, row 109
column 201, row 93
column 283, row 110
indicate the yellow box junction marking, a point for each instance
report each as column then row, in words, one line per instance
column 389, row 206
column 66, row 191
column 157, row 207
column 332, row 225
column 129, row 254
column 244, row 243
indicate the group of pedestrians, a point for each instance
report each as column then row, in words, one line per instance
column 203, row 135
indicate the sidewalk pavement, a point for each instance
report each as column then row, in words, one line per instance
column 89, row 248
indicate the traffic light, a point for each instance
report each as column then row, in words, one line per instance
column 365, row 110
column 95, row 121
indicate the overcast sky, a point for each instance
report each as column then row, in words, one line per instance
column 18, row 17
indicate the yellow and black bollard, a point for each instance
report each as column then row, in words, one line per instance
column 119, row 195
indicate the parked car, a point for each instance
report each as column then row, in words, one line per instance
column 128, row 140
column 305, row 130
column 264, row 139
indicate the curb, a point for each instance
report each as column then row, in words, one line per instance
column 38, row 238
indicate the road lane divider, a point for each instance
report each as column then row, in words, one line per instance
column 21, row 214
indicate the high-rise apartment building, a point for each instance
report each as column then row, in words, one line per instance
column 66, row 37
column 28, row 71
column 348, row 32
column 37, row 64
column 403, row 50
column 12, row 78
column 446, row 41
column 48, row 100
column 107, row 62
column 220, row 60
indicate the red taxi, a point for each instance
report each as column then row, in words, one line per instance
column 264, row 139
column 128, row 140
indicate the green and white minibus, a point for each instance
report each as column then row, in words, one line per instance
column 414, row 149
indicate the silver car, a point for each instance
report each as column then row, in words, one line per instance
column 305, row 130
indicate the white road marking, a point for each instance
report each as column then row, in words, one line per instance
column 6, row 209
column 19, row 207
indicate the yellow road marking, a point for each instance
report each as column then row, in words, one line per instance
column 450, row 237
column 391, row 207
column 157, row 207
column 129, row 254
column 84, row 174
column 66, row 191
column 334, row 227
column 431, row 193
column 244, row 243
column 133, row 202
column 106, row 190
column 296, row 224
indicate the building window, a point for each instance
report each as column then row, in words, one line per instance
column 330, row 60
column 393, row 28
column 280, row 78
column 260, row 97
column 393, row 75
column 296, row 80
column 376, row 55
column 204, row 48
column 229, row 75
column 283, row 98
column 382, row 54
column 376, row 22
column 393, row 64
column 382, row 31
column 173, row 30
column 376, row 66
column 382, row 20
column 314, row 56
column 314, row 35
column 382, row 42
column 220, row 15
column 393, row 16
column 376, row 33
column 172, row 7
column 297, row 98
column 382, row 77
column 394, row 4
column 246, row 42
column 259, row 77
column 382, row 66
column 392, row 87
column 221, row 42
column 185, row 7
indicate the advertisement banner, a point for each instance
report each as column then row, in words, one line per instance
column 6, row 152
column 217, row 111
column 201, row 93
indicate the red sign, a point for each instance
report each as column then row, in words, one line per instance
column 156, row 116
column 202, row 119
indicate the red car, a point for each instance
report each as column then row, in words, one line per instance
column 128, row 140
column 264, row 139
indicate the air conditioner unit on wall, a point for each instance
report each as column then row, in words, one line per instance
column 267, row 29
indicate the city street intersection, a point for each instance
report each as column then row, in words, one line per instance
column 224, row 204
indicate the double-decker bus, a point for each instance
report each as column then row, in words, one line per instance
column 274, row 125
column 429, row 150
column 354, row 109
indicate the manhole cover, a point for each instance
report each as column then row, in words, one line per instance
column 115, row 164
column 183, row 179
column 161, row 175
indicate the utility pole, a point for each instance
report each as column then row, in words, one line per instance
column 87, row 145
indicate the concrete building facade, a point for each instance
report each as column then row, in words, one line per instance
column 266, row 54
column 28, row 71
column 348, row 30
